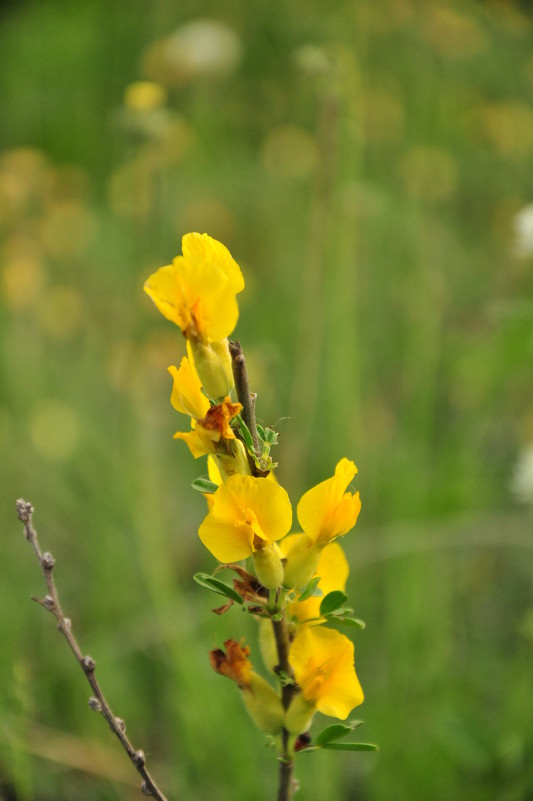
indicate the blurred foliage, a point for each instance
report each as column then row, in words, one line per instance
column 370, row 167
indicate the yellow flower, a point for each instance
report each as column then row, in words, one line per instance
column 197, row 291
column 211, row 430
column 323, row 664
column 248, row 514
column 327, row 511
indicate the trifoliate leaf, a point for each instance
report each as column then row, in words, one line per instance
column 333, row 601
column 215, row 585
column 204, row 485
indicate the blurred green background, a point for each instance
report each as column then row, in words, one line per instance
column 369, row 165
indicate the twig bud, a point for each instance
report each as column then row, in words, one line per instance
column 24, row 510
column 48, row 603
column 88, row 664
column 95, row 704
column 48, row 561
column 145, row 789
column 139, row 759
column 121, row 725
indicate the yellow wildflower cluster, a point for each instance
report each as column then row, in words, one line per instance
column 293, row 583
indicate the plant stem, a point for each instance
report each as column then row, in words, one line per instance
column 97, row 702
column 247, row 401
column 286, row 784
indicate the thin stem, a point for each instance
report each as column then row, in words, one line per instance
column 97, row 702
column 286, row 784
column 246, row 399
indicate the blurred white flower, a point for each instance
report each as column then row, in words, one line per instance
column 522, row 478
column 205, row 47
column 523, row 230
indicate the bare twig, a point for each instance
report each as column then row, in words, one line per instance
column 97, row 702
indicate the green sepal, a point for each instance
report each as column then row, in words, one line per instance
column 351, row 747
column 215, row 585
column 310, row 589
column 204, row 485
column 336, row 732
column 333, row 601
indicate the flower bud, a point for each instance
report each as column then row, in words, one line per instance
column 267, row 644
column 299, row 715
column 212, row 362
column 264, row 705
column 302, row 561
column 268, row 567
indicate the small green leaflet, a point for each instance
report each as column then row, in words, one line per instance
column 333, row 601
column 309, row 590
column 351, row 747
column 204, row 485
column 215, row 585
column 354, row 622
column 336, row 732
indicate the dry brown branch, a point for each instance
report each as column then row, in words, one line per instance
column 97, row 701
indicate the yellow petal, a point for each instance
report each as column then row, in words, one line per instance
column 187, row 396
column 327, row 510
column 213, row 470
column 199, row 441
column 197, row 296
column 322, row 660
column 245, row 508
column 202, row 246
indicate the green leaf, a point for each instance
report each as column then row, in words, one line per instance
column 245, row 432
column 335, row 732
column 215, row 585
column 309, row 589
column 270, row 436
column 333, row 601
column 260, row 430
column 351, row 747
column 354, row 622
column 204, row 485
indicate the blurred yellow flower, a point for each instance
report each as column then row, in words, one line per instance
column 323, row 664
column 145, row 95
column 327, row 511
column 248, row 514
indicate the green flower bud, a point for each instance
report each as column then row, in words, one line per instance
column 299, row 715
column 268, row 567
column 264, row 705
column 213, row 366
